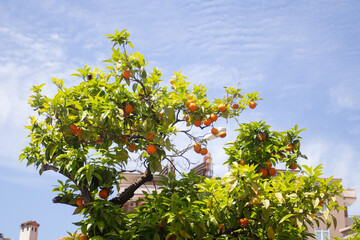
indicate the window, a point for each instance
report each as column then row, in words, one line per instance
column 35, row 229
column 322, row 234
column 32, row 228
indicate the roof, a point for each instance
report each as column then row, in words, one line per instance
column 30, row 223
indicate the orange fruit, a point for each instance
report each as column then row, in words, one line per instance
column 289, row 148
column 197, row 122
column 207, row 121
column 268, row 164
column 235, row 106
column 151, row 149
column 244, row 222
column 188, row 102
column 192, row 107
column 272, row 171
column 132, row 147
column 197, row 148
column 126, row 74
column 79, row 202
column 255, row 199
column 129, row 108
column 263, row 172
column 222, row 107
column 213, row 117
column 123, row 140
column 221, row 226
column 252, row 104
column 150, row 136
column 172, row 81
column 214, row 131
column 242, row 162
column 321, row 203
column 222, row 134
column 104, row 193
column 203, row 151
column 75, row 130
column 83, row 237
column 187, row 118
column 261, row 137
column 293, row 166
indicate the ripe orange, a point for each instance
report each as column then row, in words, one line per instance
column 214, row 131
column 261, row 137
column 255, row 199
column 289, row 148
column 197, row 148
column 222, row 134
column 188, row 102
column 129, row 108
column 75, row 130
column 79, row 202
column 252, row 104
column 151, row 149
column 235, row 106
column 150, row 136
column 207, row 121
column 293, row 166
column 221, row 226
column 244, row 222
column 172, row 81
column 197, row 122
column 203, row 151
column 222, row 107
column 213, row 117
column 263, row 172
column 83, row 237
column 132, row 147
column 268, row 164
column 187, row 118
column 104, row 193
column 123, row 140
column 192, row 107
column 242, row 162
column 321, row 203
column 126, row 74
column 272, row 171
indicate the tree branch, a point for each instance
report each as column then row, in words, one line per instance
column 85, row 194
column 128, row 193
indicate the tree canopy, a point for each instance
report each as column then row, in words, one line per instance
column 91, row 131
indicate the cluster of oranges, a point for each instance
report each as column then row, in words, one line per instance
column 199, row 149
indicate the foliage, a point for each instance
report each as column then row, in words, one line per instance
column 90, row 132
column 355, row 230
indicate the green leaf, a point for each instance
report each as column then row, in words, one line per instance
column 155, row 166
column 286, row 217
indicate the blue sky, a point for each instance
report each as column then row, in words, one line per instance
column 302, row 56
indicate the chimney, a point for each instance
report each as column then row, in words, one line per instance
column 29, row 230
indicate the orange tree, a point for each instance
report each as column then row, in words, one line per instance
column 91, row 131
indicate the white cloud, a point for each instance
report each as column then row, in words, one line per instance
column 337, row 159
column 344, row 96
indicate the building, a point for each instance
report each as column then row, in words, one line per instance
column 344, row 222
column 29, row 230
column 203, row 169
